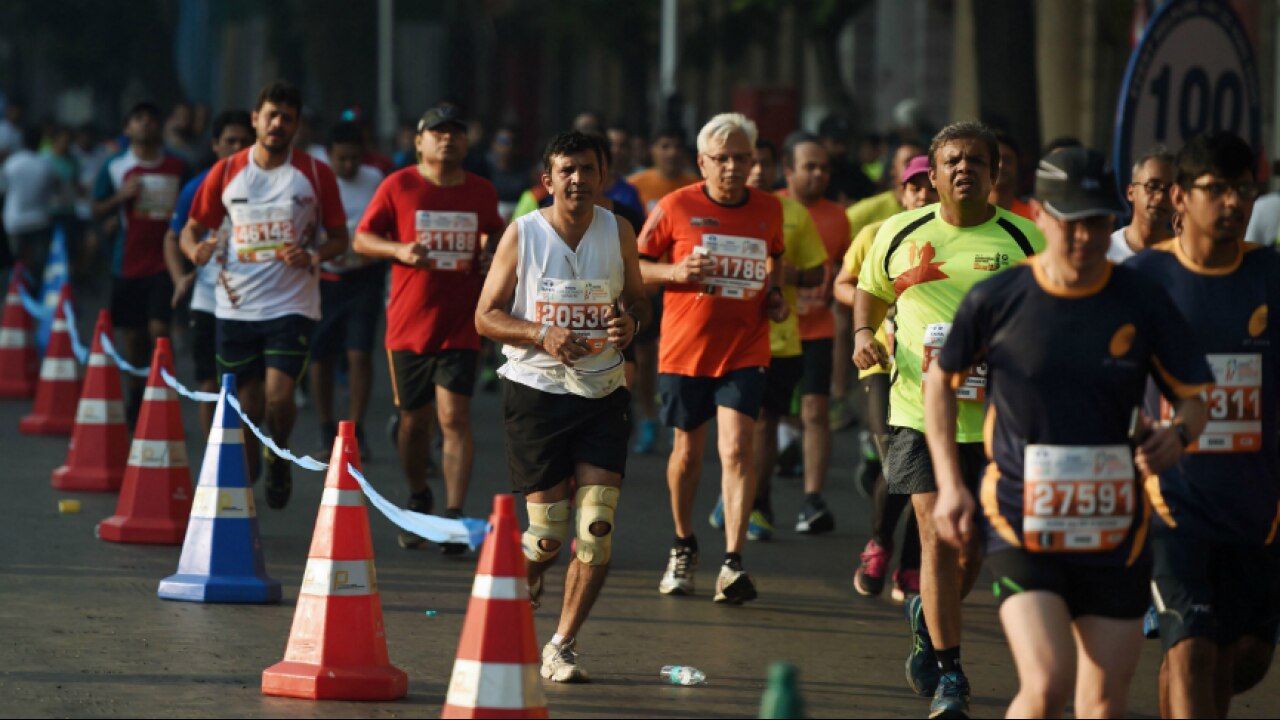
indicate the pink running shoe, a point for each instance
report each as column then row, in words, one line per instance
column 905, row 584
column 868, row 580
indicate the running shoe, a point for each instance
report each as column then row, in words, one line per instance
column 647, row 442
column 922, row 664
column 279, row 480
column 951, row 699
column 560, row 663
column 450, row 548
column 422, row 502
column 759, row 526
column 678, row 579
column 734, row 585
column 815, row 518
column 716, row 519
column 868, row 579
column 905, row 584
column 1151, row 624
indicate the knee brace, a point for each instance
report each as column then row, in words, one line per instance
column 596, row 504
column 547, row 521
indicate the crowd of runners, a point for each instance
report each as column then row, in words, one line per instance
column 1087, row 410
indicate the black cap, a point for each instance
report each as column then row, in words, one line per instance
column 1073, row 183
column 441, row 115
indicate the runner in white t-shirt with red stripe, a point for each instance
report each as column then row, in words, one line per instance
column 268, row 289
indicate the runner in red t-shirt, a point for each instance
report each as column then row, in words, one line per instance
column 433, row 220
column 715, row 246
column 806, row 166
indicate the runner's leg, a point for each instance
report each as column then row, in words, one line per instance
column 815, row 414
column 251, row 392
column 1187, row 679
column 1037, row 625
column 1107, row 657
column 946, row 576
column 684, row 470
column 281, row 410
column 458, row 451
column 738, row 477
column 414, row 445
column 322, row 371
column 583, row 582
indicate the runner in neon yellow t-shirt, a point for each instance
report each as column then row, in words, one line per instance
column 925, row 261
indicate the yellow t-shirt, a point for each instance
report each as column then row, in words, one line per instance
column 804, row 249
column 932, row 267
column 853, row 258
column 876, row 208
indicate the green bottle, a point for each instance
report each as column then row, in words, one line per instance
column 781, row 697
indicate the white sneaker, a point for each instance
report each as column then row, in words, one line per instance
column 734, row 586
column 678, row 579
column 560, row 663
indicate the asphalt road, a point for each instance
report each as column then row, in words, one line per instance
column 86, row 636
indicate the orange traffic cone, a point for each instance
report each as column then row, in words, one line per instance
column 155, row 499
column 337, row 647
column 496, row 673
column 100, row 441
column 58, row 391
column 19, row 361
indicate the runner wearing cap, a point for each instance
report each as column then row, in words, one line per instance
column 268, row 298
column 716, row 247
column 139, row 185
column 1217, row 563
column 1068, row 341
column 1150, row 195
column 351, row 295
column 886, row 508
column 232, row 132
column 564, row 295
column 806, row 167
column 925, row 261
column 435, row 221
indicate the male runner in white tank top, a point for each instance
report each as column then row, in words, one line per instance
column 563, row 296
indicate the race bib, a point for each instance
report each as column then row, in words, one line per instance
column 260, row 232
column 157, row 194
column 1234, row 403
column 974, row 388
column 740, row 270
column 450, row 239
column 582, row 306
column 1077, row 498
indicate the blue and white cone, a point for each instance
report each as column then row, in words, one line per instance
column 222, row 556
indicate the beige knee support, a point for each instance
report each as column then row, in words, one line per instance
column 547, row 521
column 596, row 504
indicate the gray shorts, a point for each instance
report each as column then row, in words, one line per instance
column 908, row 469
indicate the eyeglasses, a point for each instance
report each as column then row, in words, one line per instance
column 1152, row 186
column 739, row 159
column 1216, row 190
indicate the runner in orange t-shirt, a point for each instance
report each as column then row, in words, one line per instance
column 712, row 244
column 806, row 166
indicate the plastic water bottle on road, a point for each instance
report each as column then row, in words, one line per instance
column 683, row 675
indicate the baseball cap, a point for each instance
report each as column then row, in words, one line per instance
column 1073, row 183
column 915, row 166
column 439, row 116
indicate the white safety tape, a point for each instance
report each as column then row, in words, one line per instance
column 109, row 348
column 82, row 352
column 467, row 531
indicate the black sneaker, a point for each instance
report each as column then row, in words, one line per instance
column 815, row 518
column 453, row 548
column 421, row 502
column 279, row 480
column 734, row 585
column 951, row 699
column 366, row 452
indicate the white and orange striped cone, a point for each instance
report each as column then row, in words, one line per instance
column 19, row 359
column 338, row 647
column 155, row 498
column 496, row 673
column 58, row 392
column 100, row 441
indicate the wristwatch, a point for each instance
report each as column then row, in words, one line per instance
column 1181, row 430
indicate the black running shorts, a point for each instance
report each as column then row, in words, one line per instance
column 1109, row 591
column 908, row 468
column 548, row 435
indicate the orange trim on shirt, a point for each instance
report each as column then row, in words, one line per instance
column 1154, row 493
column 1140, row 534
column 989, row 431
column 991, row 506
column 395, row 392
column 1063, row 291
column 955, row 381
column 1181, row 389
column 1199, row 269
column 1275, row 524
